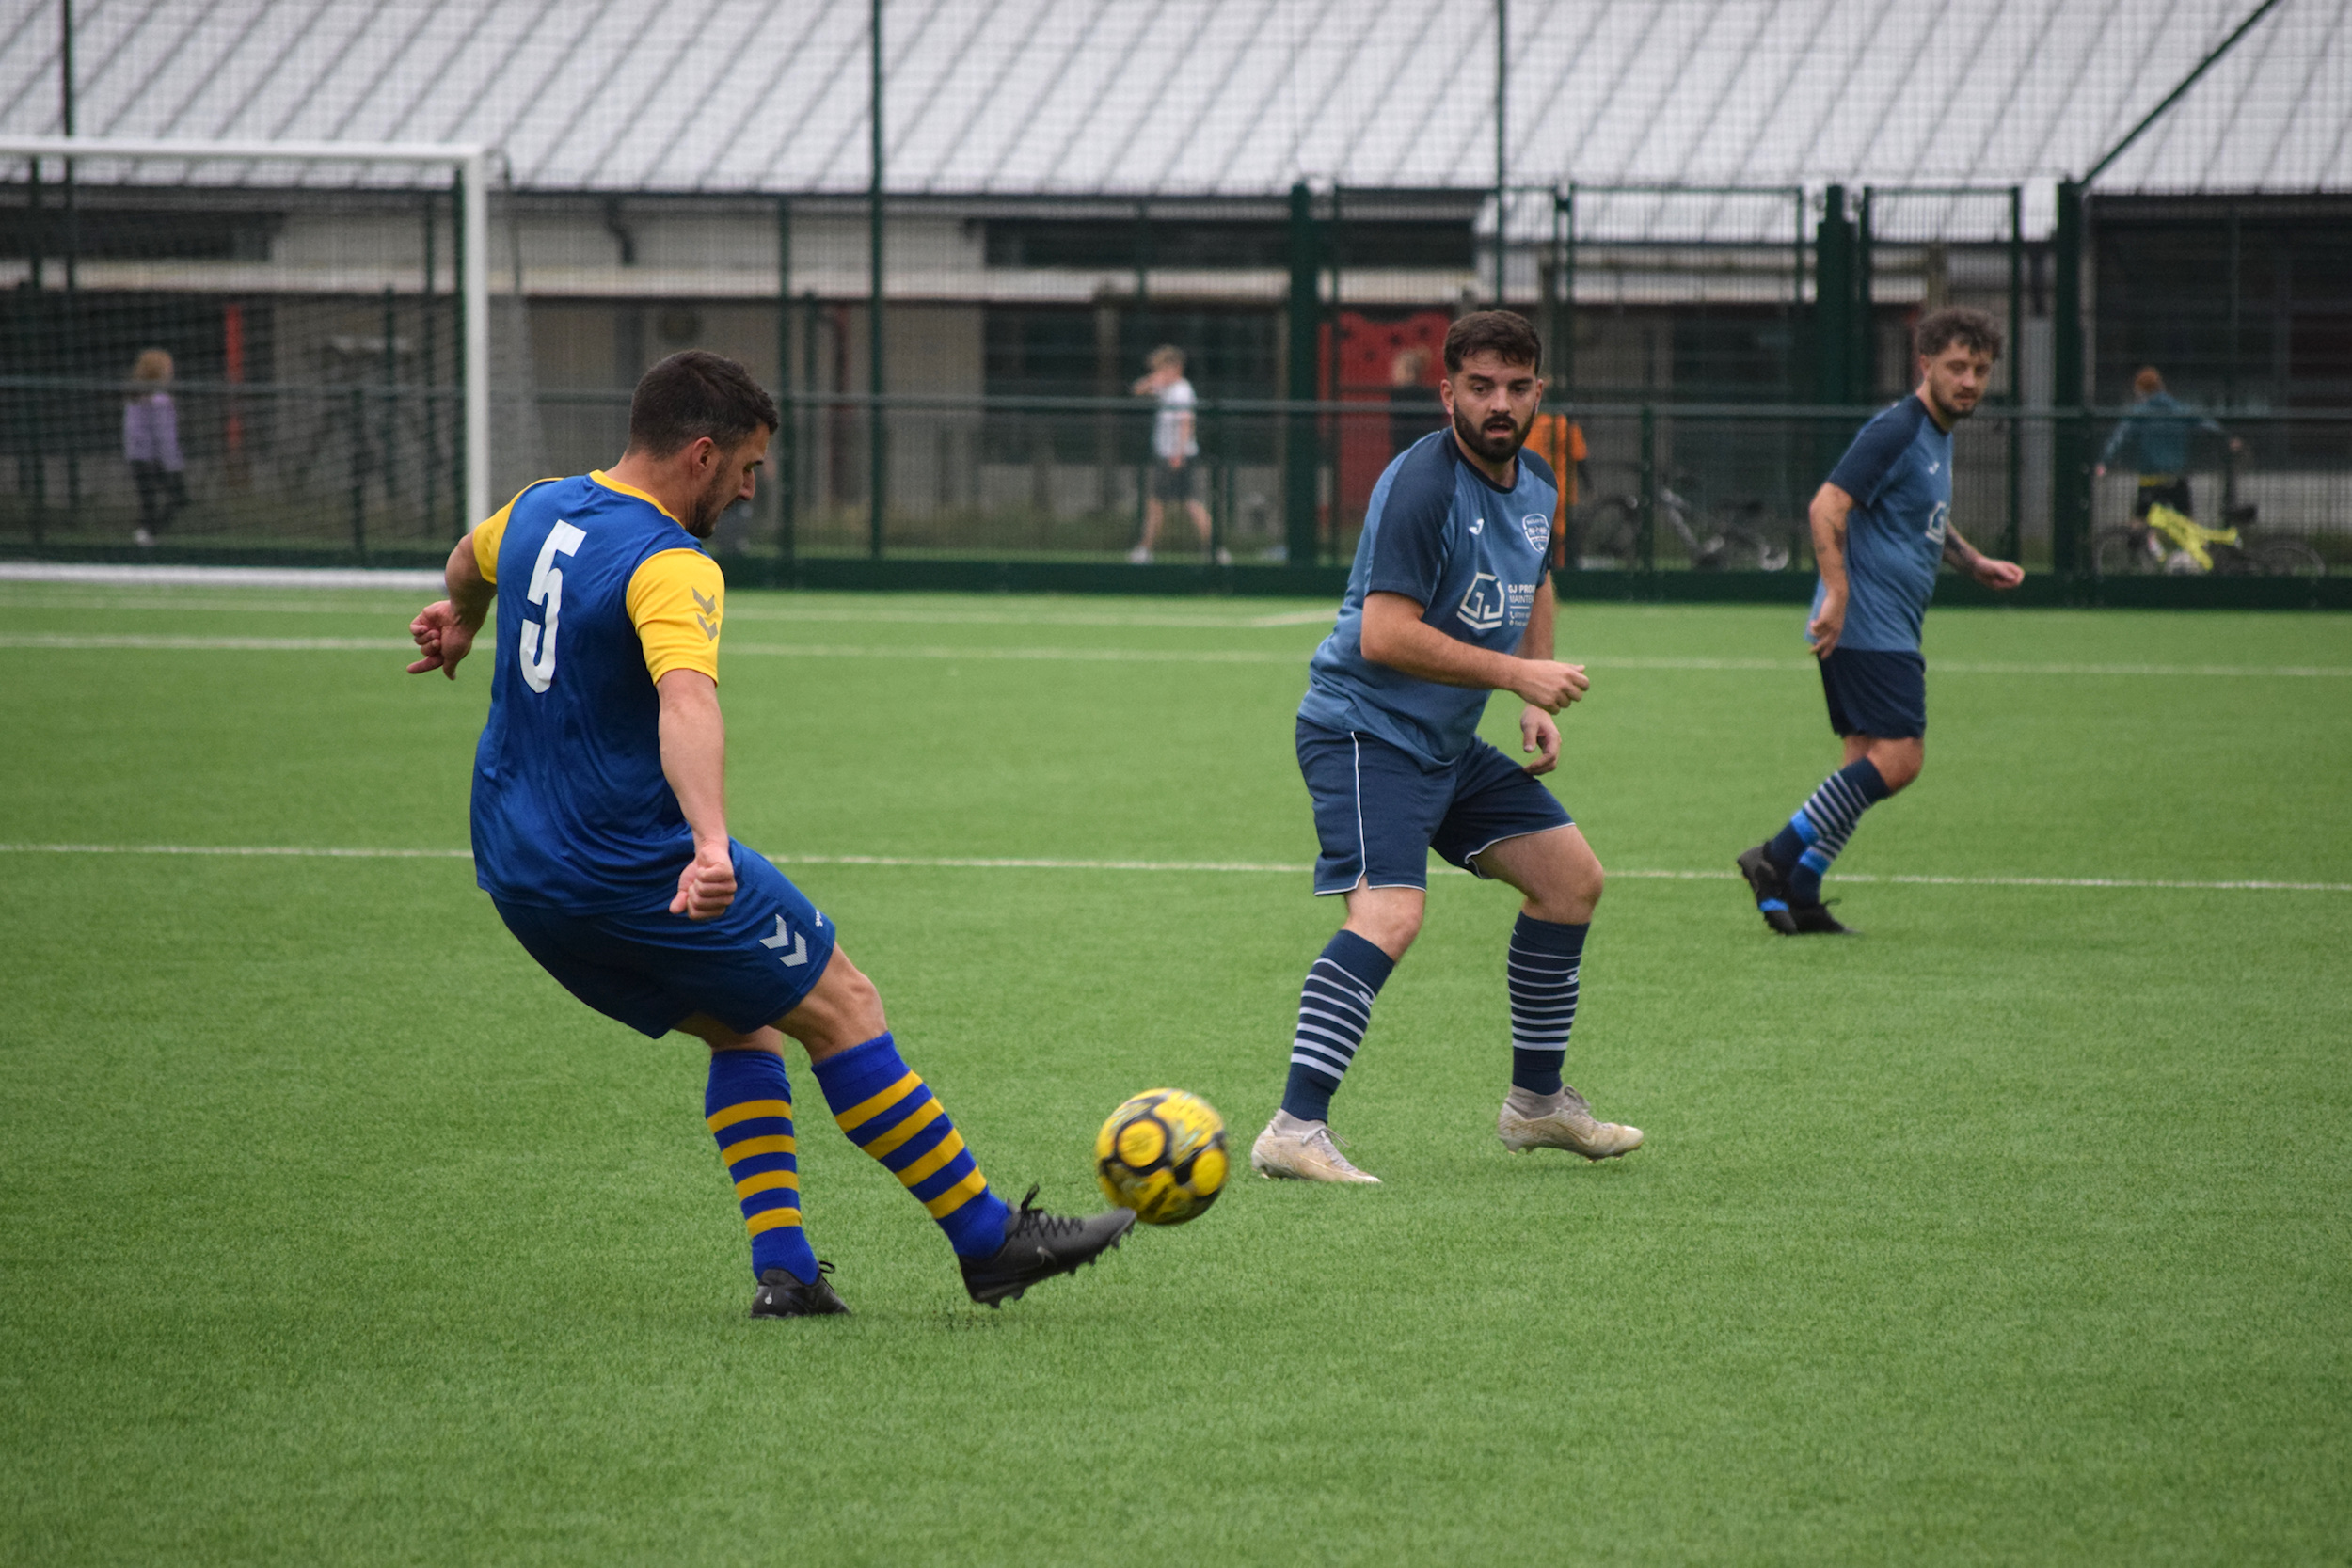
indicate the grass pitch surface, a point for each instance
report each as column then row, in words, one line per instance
column 2012, row 1230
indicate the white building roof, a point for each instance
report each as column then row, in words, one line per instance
column 1233, row 96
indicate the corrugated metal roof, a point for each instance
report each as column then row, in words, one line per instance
column 1228, row 96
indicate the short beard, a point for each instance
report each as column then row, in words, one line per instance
column 1951, row 415
column 1492, row 448
column 711, row 505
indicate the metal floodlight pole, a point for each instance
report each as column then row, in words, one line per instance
column 470, row 159
column 875, row 457
column 1502, row 38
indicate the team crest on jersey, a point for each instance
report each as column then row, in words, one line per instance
column 1537, row 527
column 1482, row 607
column 1937, row 521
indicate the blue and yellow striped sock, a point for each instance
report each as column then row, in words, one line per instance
column 888, row 1111
column 748, row 1108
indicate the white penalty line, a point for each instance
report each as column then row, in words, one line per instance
column 162, row 642
column 1025, row 863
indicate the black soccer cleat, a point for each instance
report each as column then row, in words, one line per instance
column 1038, row 1245
column 1814, row 920
column 1771, row 893
column 781, row 1296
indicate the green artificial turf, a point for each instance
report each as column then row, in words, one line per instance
column 2013, row 1230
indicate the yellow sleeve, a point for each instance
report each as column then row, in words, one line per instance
column 491, row 531
column 676, row 601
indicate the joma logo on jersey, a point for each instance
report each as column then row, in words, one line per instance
column 1482, row 607
column 1537, row 527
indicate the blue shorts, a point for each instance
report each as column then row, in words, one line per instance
column 1881, row 693
column 747, row 969
column 1378, row 812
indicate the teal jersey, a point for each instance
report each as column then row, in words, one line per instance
column 1899, row 473
column 1472, row 555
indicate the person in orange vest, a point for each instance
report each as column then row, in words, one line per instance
column 1559, row 440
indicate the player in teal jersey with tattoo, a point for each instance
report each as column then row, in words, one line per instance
column 1881, row 524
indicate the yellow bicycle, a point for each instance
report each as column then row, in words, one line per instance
column 2170, row 541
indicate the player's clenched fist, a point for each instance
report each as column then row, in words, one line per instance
column 707, row 886
column 1551, row 685
column 443, row 636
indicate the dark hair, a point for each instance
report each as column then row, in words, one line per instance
column 1500, row 332
column 694, row 394
column 1973, row 329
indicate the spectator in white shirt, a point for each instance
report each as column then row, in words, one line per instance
column 1175, row 445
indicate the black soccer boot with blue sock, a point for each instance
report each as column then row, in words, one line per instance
column 782, row 1294
column 1038, row 1245
column 1784, row 872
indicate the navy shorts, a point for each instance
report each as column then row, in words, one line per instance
column 1881, row 693
column 748, row 968
column 1378, row 812
column 1171, row 482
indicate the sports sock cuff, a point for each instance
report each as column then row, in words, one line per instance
column 1864, row 776
column 1308, row 1094
column 863, row 1070
column 1361, row 959
column 1549, row 936
column 1537, row 1071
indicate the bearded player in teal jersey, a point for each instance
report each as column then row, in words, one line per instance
column 1450, row 599
column 600, row 834
column 1881, row 524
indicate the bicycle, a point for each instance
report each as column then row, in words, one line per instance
column 1734, row 541
column 2171, row 541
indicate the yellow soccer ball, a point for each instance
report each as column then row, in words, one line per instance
column 1163, row 1155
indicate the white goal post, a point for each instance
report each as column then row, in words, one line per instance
column 469, row 162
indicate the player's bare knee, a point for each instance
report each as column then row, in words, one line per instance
column 1900, row 764
column 841, row 1010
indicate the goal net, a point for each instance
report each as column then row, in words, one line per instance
column 219, row 346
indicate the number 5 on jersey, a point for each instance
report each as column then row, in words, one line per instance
column 547, row 585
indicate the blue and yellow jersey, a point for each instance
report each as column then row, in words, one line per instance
column 600, row 594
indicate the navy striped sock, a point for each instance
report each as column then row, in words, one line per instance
column 748, row 1108
column 1542, row 969
column 1334, row 1008
column 1822, row 826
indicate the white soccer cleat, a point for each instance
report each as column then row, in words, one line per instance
column 1561, row 1121
column 1303, row 1151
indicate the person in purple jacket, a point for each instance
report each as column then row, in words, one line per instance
column 151, row 444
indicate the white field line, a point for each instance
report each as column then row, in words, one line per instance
column 219, row 576
column 740, row 610
column 939, row 652
column 1014, row 862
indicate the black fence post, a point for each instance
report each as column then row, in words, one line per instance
column 358, row 472
column 1300, row 533
column 2070, row 458
column 1649, row 487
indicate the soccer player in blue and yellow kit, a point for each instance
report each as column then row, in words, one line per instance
column 599, row 831
column 1448, row 599
column 1881, row 524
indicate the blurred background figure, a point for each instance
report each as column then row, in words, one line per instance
column 1174, row 445
column 1559, row 440
column 1413, row 407
column 2153, row 441
column 151, row 444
